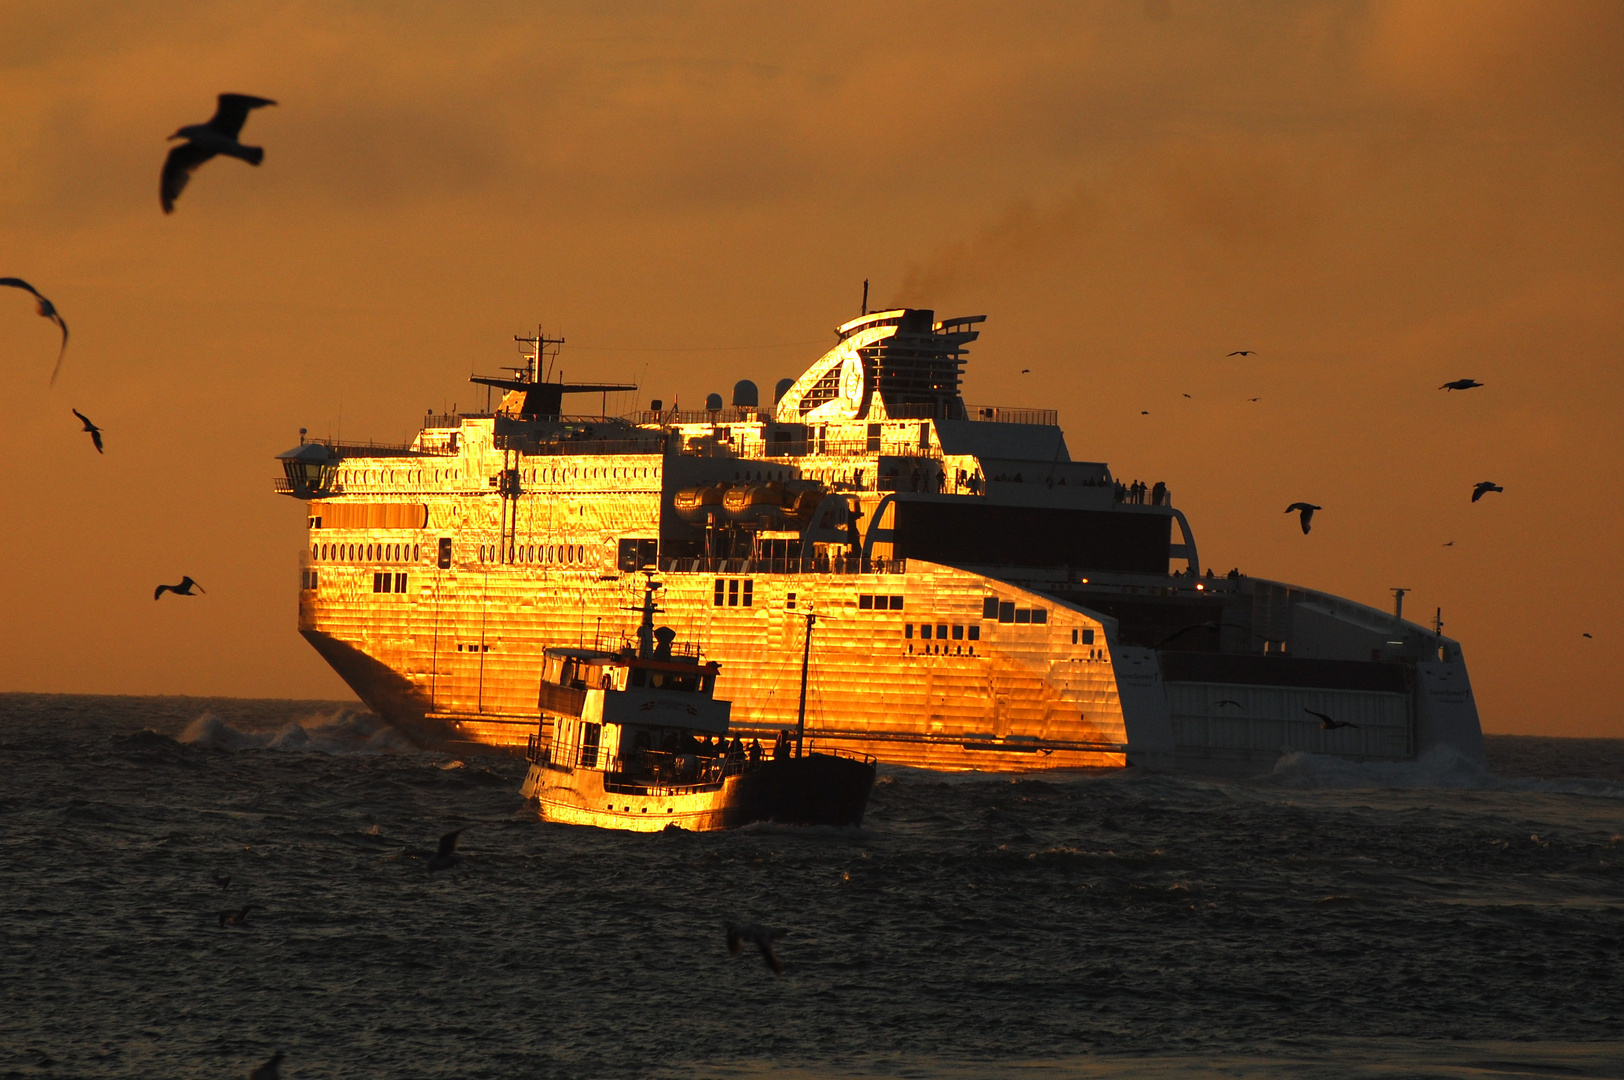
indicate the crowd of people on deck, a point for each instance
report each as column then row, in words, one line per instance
column 1136, row 493
column 714, row 752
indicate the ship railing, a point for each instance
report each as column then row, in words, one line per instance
column 1003, row 414
column 835, row 751
column 583, row 446
column 822, row 565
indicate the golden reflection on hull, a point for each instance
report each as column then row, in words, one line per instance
column 456, row 659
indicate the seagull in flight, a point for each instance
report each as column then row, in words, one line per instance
column 1227, row 701
column 1328, row 724
column 95, row 432
column 1587, row 634
column 47, row 310
column 237, row 918
column 1186, row 395
column 183, row 589
column 1450, row 544
column 1144, row 412
column 1460, row 384
column 1483, row 487
column 443, row 857
column 204, row 141
column 1244, row 352
column 271, row 1070
column 1254, row 399
column 763, row 939
column 1026, row 371
column 1307, row 512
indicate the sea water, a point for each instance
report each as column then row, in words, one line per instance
column 1330, row 919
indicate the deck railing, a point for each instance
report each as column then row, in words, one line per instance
column 837, row 565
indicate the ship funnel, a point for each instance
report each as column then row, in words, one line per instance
column 745, row 395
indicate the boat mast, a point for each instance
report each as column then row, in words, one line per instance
column 806, row 658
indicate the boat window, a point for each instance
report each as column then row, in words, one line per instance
column 941, row 631
column 417, row 553
column 1040, row 615
column 639, row 677
column 733, row 593
column 445, row 553
column 1074, row 637
column 1006, row 611
column 1088, row 636
column 907, row 630
column 896, row 603
column 1023, row 615
column 865, row 602
column 589, row 745
column 789, row 602
column 975, row 633
column 958, row 632
column 924, row 631
column 989, row 608
column 720, row 591
column 749, row 588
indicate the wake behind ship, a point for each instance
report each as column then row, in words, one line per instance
column 984, row 601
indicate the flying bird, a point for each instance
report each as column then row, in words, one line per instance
column 1450, row 544
column 204, row 141
column 47, row 310
column 1326, row 723
column 95, row 432
column 1144, row 412
column 271, row 1070
column 1483, row 487
column 763, row 939
column 183, row 589
column 1244, row 352
column 236, row 918
column 1186, row 395
column 223, row 882
column 1227, row 701
column 1254, row 399
column 1307, row 512
column 1587, row 635
column 1460, row 384
column 1026, row 371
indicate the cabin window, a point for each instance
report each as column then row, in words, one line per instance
column 733, row 593
column 1006, row 611
column 445, row 553
column 941, row 631
column 896, row 603
column 865, row 602
column 975, row 634
column 958, row 632
column 749, row 589
column 639, row 677
column 1088, row 637
column 1023, row 615
column 989, row 608
column 1040, row 615
column 873, row 437
column 400, row 582
column 1074, row 637
column 589, row 745
column 789, row 602
column 907, row 630
column 924, row 631
column 417, row 553
column 720, row 591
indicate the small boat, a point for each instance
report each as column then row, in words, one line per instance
column 635, row 739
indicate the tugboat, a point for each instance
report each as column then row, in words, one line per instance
column 637, row 740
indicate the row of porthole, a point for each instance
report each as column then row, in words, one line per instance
column 537, row 553
column 417, row 476
column 396, row 553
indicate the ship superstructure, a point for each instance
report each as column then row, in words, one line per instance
column 984, row 601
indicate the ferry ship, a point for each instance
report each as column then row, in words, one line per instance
column 985, row 602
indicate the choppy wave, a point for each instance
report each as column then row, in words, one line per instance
column 1441, row 767
column 342, row 731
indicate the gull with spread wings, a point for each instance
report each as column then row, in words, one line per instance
column 204, row 141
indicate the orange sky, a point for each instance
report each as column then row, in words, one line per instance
column 1376, row 197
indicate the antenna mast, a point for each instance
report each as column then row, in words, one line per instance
column 806, row 658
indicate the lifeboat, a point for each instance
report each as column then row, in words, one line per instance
column 694, row 505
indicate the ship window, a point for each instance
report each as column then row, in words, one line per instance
column 989, row 608
column 941, row 631
column 865, row 602
column 719, row 591
column 1023, row 615
column 896, row 603
column 1088, row 637
column 907, row 630
column 958, row 632
column 1074, row 637
column 749, row 588
column 733, row 593
column 445, row 553
column 1040, row 615
column 789, row 602
column 924, row 631
column 589, row 745
column 1006, row 611
column 975, row 634
column 400, row 582
column 417, row 553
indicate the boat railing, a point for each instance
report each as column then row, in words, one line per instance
column 834, row 751
column 822, row 565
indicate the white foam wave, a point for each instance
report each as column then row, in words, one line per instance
column 1439, row 767
column 338, row 732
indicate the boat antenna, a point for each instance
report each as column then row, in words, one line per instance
column 806, row 658
column 865, row 296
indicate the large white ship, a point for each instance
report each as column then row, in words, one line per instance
column 983, row 601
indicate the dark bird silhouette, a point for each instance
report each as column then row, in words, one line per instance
column 271, row 1070
column 1026, row 371
column 236, row 918
column 1227, row 701
column 1307, row 512
column 763, row 939
column 223, row 882
column 1587, row 635
column 1186, row 395
column 95, row 432
column 1244, row 352
column 204, row 141
column 1450, row 544
column 1254, row 399
column 445, row 856
column 1328, row 724
column 183, row 589
column 1460, row 384
column 47, row 310
column 1144, row 412
column 1483, row 487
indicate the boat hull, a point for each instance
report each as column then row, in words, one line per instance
column 815, row 790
